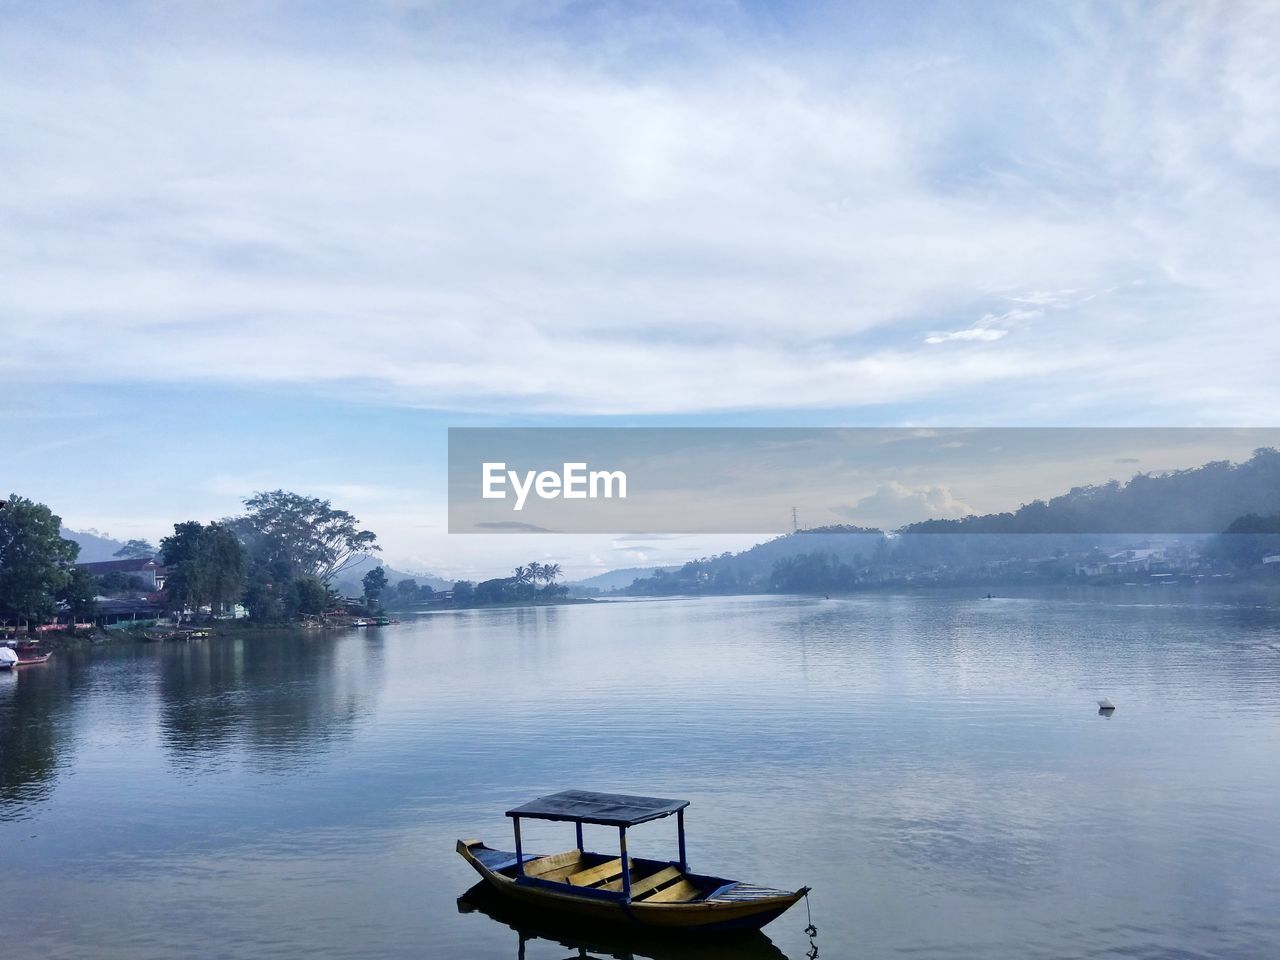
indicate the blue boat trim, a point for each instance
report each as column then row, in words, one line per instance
column 498, row 860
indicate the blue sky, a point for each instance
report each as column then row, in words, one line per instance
column 287, row 244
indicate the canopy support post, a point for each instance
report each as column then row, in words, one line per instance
column 519, row 852
column 626, row 865
column 684, row 860
column 578, row 825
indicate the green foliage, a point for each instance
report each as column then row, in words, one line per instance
column 36, row 563
column 136, row 550
column 262, row 601
column 207, row 565
column 464, row 592
column 288, row 536
column 1248, row 539
column 375, row 581
column 307, row 596
column 80, row 594
column 812, row 573
column 1200, row 500
column 408, row 592
column 116, row 583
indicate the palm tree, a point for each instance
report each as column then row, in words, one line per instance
column 520, row 575
column 550, row 571
column 535, row 571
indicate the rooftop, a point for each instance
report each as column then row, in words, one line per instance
column 134, row 565
column 612, row 809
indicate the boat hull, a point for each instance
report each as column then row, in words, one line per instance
column 750, row 909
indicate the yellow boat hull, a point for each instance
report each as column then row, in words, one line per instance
column 739, row 907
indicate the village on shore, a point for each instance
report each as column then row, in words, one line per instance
column 280, row 563
column 294, row 560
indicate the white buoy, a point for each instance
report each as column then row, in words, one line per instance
column 1105, row 704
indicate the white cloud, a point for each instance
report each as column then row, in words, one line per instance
column 985, row 334
column 893, row 504
column 547, row 227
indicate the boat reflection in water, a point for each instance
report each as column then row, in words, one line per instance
column 598, row 943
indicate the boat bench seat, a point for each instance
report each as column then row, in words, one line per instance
column 569, row 862
column 676, row 893
column 605, row 872
column 649, row 884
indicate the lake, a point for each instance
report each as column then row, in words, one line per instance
column 933, row 765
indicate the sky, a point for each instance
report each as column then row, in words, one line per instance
column 248, row 246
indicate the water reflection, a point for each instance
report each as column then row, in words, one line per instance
column 280, row 698
column 932, row 765
column 34, row 704
column 596, row 943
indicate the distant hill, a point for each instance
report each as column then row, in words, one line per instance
column 1205, row 499
column 747, row 570
column 348, row 582
column 615, row 578
column 94, row 546
column 1174, row 514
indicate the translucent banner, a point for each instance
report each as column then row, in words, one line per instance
column 771, row 480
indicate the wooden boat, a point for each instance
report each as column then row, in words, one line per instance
column 601, row 941
column 29, row 654
column 651, row 894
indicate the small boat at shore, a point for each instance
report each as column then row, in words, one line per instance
column 29, row 653
column 8, row 659
column 651, row 894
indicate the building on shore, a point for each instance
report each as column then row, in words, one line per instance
column 150, row 573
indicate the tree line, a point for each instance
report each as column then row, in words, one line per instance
column 279, row 559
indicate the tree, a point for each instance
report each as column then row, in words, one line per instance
column 263, row 601
column 208, row 565
column 308, row 596
column 464, row 592
column 117, row 582
column 375, row 581
column 136, row 550
column 1248, row 539
column 290, row 535
column 184, row 582
column 35, row 561
column 226, row 564
column 408, row 592
column 80, row 594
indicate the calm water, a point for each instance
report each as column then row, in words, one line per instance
column 934, row 766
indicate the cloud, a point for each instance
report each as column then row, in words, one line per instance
column 895, row 504
column 972, row 333
column 994, row 326
column 511, row 526
column 607, row 212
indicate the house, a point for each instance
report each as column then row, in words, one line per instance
column 148, row 571
column 128, row 612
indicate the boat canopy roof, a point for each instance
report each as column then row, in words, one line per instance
column 612, row 809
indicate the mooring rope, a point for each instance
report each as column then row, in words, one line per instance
column 810, row 931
